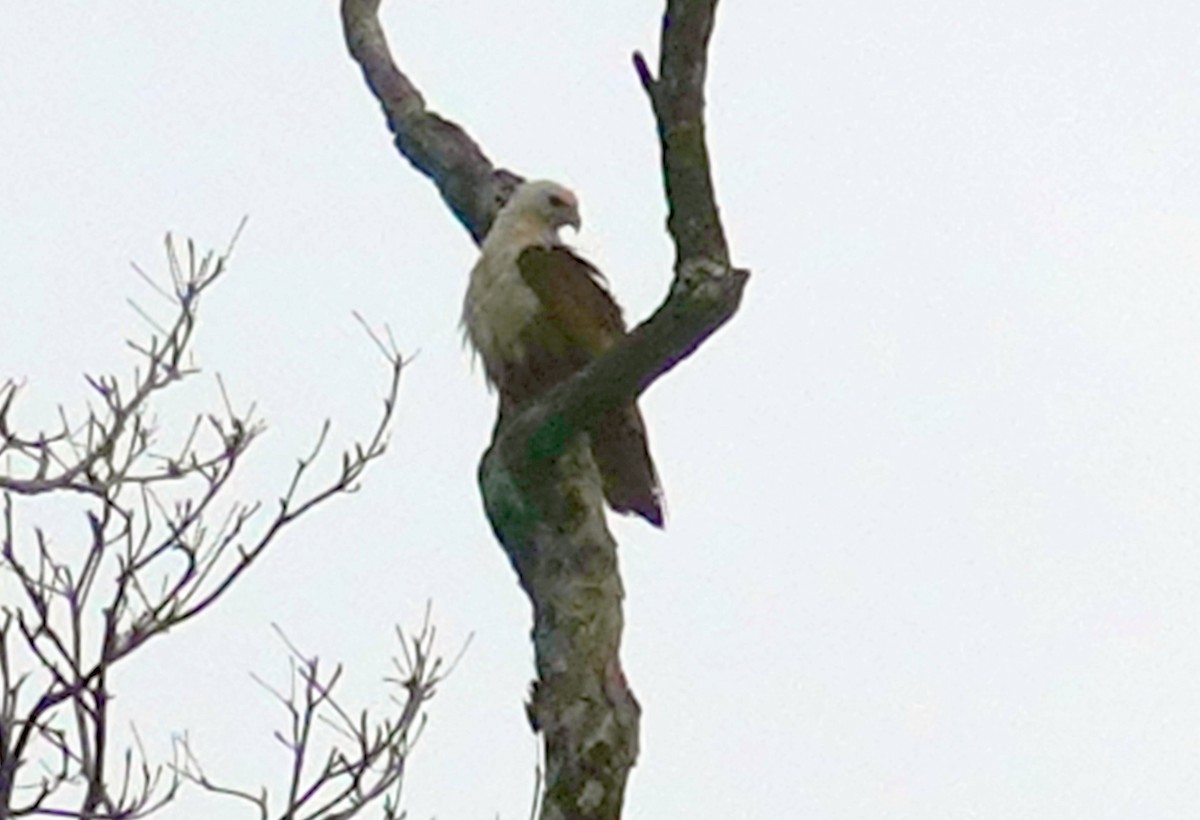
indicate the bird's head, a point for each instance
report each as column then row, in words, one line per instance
column 543, row 205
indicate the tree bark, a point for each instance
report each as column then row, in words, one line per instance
column 540, row 487
column 471, row 186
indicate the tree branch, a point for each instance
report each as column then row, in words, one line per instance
column 440, row 149
column 677, row 98
column 363, row 763
column 152, row 561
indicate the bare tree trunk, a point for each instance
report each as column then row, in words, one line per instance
column 554, row 533
column 540, row 486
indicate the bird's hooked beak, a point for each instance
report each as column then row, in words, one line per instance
column 574, row 222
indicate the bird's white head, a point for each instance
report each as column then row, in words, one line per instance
column 539, row 208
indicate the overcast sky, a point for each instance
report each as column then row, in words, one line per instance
column 934, row 511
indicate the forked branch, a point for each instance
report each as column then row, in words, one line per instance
column 538, row 480
column 341, row 763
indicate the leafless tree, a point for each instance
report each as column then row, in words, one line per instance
column 163, row 542
column 536, row 477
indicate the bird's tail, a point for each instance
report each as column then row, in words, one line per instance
column 621, row 452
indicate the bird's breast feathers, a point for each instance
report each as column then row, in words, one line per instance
column 498, row 308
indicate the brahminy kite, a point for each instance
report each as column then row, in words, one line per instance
column 536, row 313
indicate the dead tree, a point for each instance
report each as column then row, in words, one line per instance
column 539, row 489
column 162, row 543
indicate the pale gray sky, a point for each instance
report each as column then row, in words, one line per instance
column 933, row 546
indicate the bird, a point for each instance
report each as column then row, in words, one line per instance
column 536, row 313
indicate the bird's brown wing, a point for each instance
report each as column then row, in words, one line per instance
column 622, row 455
column 573, row 296
column 580, row 322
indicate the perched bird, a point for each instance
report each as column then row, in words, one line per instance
column 536, row 313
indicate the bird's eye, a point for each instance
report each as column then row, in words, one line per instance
column 557, row 201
